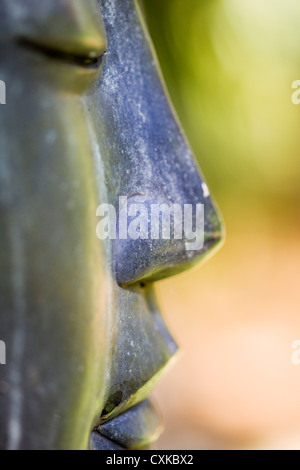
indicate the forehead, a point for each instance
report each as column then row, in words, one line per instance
column 56, row 23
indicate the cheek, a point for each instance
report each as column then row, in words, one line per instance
column 54, row 275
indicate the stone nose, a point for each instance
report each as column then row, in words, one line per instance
column 147, row 159
column 158, row 237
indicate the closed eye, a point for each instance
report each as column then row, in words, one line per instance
column 88, row 60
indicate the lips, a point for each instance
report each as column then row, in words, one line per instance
column 136, row 428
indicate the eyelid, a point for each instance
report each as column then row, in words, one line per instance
column 70, row 27
column 88, row 60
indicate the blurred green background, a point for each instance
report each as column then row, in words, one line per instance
column 229, row 66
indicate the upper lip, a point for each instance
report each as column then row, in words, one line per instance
column 142, row 347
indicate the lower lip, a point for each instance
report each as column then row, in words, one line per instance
column 135, row 429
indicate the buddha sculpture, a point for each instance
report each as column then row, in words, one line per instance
column 87, row 120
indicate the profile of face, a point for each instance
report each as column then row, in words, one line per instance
column 86, row 121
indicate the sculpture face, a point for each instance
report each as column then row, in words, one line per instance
column 84, row 336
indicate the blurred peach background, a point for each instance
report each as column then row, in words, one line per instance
column 229, row 66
